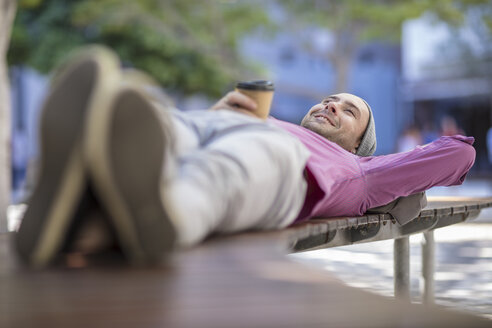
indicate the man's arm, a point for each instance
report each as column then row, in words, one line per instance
column 444, row 162
column 237, row 102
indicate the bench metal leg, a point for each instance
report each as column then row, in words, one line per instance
column 428, row 267
column 401, row 263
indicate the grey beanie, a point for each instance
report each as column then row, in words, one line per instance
column 367, row 145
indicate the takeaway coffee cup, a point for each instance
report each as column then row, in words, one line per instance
column 261, row 92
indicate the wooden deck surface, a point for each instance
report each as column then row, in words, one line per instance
column 235, row 281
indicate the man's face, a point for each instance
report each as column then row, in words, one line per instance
column 341, row 118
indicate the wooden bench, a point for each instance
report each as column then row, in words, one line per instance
column 243, row 280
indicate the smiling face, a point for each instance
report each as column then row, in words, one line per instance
column 341, row 118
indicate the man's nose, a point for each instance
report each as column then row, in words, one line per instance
column 331, row 107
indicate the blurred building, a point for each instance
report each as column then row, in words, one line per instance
column 439, row 83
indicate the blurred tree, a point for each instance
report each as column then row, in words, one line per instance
column 7, row 13
column 469, row 47
column 353, row 22
column 188, row 46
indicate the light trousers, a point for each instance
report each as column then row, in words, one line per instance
column 230, row 173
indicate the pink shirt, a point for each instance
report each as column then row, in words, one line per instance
column 343, row 184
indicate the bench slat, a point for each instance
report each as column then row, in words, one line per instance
column 440, row 212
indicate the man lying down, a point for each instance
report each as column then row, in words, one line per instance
column 168, row 179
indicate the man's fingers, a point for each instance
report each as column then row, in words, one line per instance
column 238, row 102
column 237, row 99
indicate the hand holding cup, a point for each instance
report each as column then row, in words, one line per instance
column 261, row 92
column 250, row 98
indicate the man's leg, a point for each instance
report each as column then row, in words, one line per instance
column 190, row 176
column 238, row 173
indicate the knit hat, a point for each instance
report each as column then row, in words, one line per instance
column 367, row 145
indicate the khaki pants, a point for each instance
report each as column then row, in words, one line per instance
column 231, row 173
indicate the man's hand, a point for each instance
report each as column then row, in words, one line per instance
column 237, row 102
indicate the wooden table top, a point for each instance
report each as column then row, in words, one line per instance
column 225, row 282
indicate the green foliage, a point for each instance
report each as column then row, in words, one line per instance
column 188, row 46
column 354, row 22
column 471, row 46
column 377, row 19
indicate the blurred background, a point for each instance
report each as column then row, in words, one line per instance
column 424, row 66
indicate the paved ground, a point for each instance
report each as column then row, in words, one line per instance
column 463, row 266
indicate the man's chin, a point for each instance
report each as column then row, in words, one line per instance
column 316, row 127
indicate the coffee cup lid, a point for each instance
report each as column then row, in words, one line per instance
column 262, row 85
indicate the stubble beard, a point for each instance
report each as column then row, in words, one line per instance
column 328, row 134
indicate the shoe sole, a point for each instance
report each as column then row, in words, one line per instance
column 62, row 178
column 126, row 151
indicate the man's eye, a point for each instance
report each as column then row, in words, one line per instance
column 351, row 112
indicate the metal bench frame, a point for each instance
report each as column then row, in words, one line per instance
column 440, row 212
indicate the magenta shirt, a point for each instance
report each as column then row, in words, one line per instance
column 343, row 184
